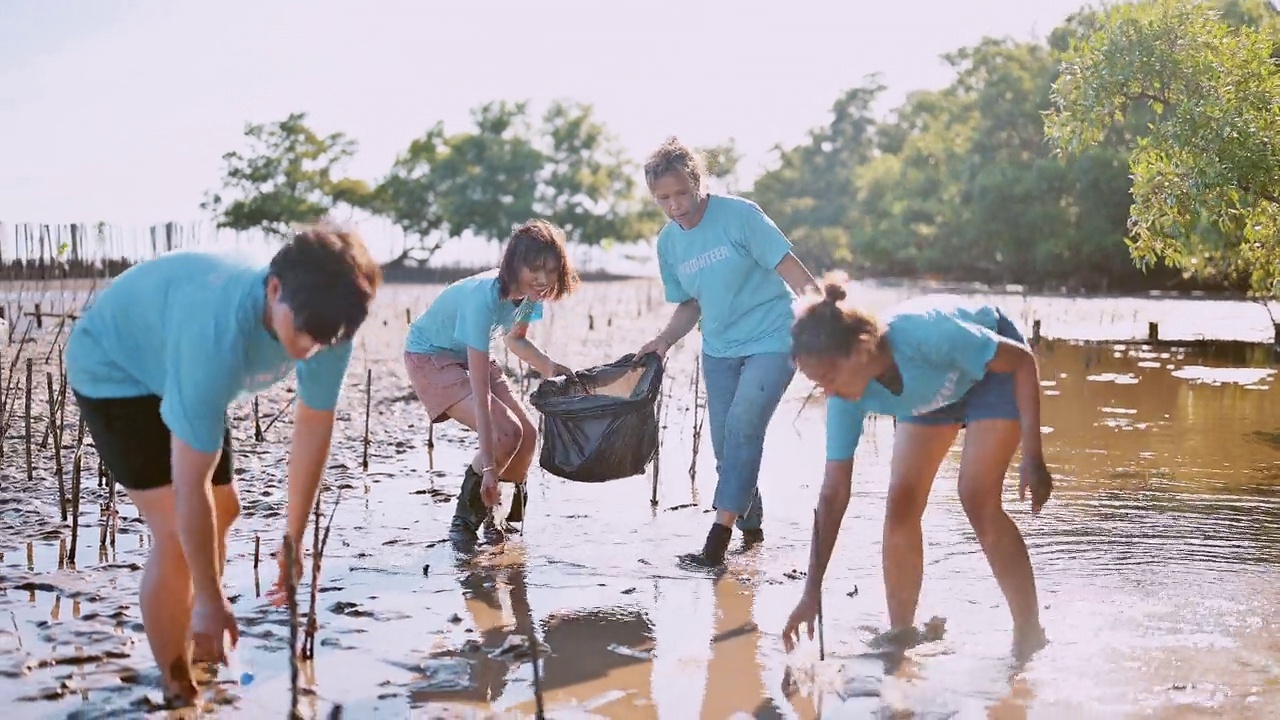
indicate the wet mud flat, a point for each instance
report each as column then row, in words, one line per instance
column 1155, row 564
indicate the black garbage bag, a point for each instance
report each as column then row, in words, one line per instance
column 601, row 424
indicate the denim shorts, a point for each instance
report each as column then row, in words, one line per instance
column 992, row 398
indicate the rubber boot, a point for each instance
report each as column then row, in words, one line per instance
column 470, row 511
column 712, row 555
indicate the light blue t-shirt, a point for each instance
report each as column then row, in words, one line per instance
column 941, row 348
column 467, row 313
column 727, row 263
column 188, row 327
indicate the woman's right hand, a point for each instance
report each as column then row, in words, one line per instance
column 806, row 613
column 213, row 623
column 657, row 345
column 1034, row 476
column 489, row 491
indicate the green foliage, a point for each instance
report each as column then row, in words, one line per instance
column 587, row 185
column 723, row 161
column 287, row 176
column 504, row 171
column 812, row 192
column 409, row 195
column 1206, row 173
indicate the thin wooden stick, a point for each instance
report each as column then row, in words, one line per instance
column 368, row 401
column 291, row 590
column 30, row 467
column 822, row 647
column 537, row 675
column 279, row 415
column 257, row 421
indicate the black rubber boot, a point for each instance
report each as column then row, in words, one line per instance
column 470, row 511
column 712, row 555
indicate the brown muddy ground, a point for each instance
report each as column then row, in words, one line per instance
column 1156, row 559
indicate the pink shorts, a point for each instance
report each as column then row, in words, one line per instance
column 441, row 381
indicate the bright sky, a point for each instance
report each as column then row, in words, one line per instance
column 120, row 110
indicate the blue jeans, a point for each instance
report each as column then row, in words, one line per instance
column 742, row 394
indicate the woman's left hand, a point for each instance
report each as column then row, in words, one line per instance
column 1035, row 475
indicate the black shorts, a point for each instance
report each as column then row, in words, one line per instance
column 134, row 442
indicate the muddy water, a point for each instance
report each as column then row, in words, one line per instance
column 1155, row 559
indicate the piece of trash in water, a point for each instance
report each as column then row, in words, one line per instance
column 853, row 592
column 455, row 618
column 793, row 574
column 443, row 675
column 513, row 646
column 426, row 569
column 860, row 686
column 631, row 652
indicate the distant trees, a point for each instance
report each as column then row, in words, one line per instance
column 1135, row 147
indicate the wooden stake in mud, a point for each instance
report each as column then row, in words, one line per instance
column 55, row 423
column 657, row 454
column 76, row 466
column 257, row 559
column 30, row 470
column 698, row 419
column 321, row 542
column 257, row 421
column 368, row 401
column 822, row 647
column 537, row 675
column 291, row 590
column 308, row 649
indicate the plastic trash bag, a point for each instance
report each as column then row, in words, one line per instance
column 601, row 424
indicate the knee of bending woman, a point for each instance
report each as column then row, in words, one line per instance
column 905, row 505
column 528, row 435
column 226, row 502
column 981, row 503
column 508, row 436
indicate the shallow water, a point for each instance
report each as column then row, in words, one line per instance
column 1155, row 559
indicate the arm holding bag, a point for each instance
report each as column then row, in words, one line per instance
column 601, row 423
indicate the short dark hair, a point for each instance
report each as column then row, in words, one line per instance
column 328, row 280
column 825, row 329
column 537, row 243
column 674, row 156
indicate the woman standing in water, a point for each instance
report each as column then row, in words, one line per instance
column 453, row 374
column 724, row 262
column 936, row 368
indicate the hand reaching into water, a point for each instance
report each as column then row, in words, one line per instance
column 279, row 594
column 1035, row 475
column 806, row 613
column 489, row 491
column 213, row 624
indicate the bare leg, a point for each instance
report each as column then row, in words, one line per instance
column 516, row 469
column 918, row 450
column 988, row 448
column 166, row 594
column 508, row 433
column 226, row 505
